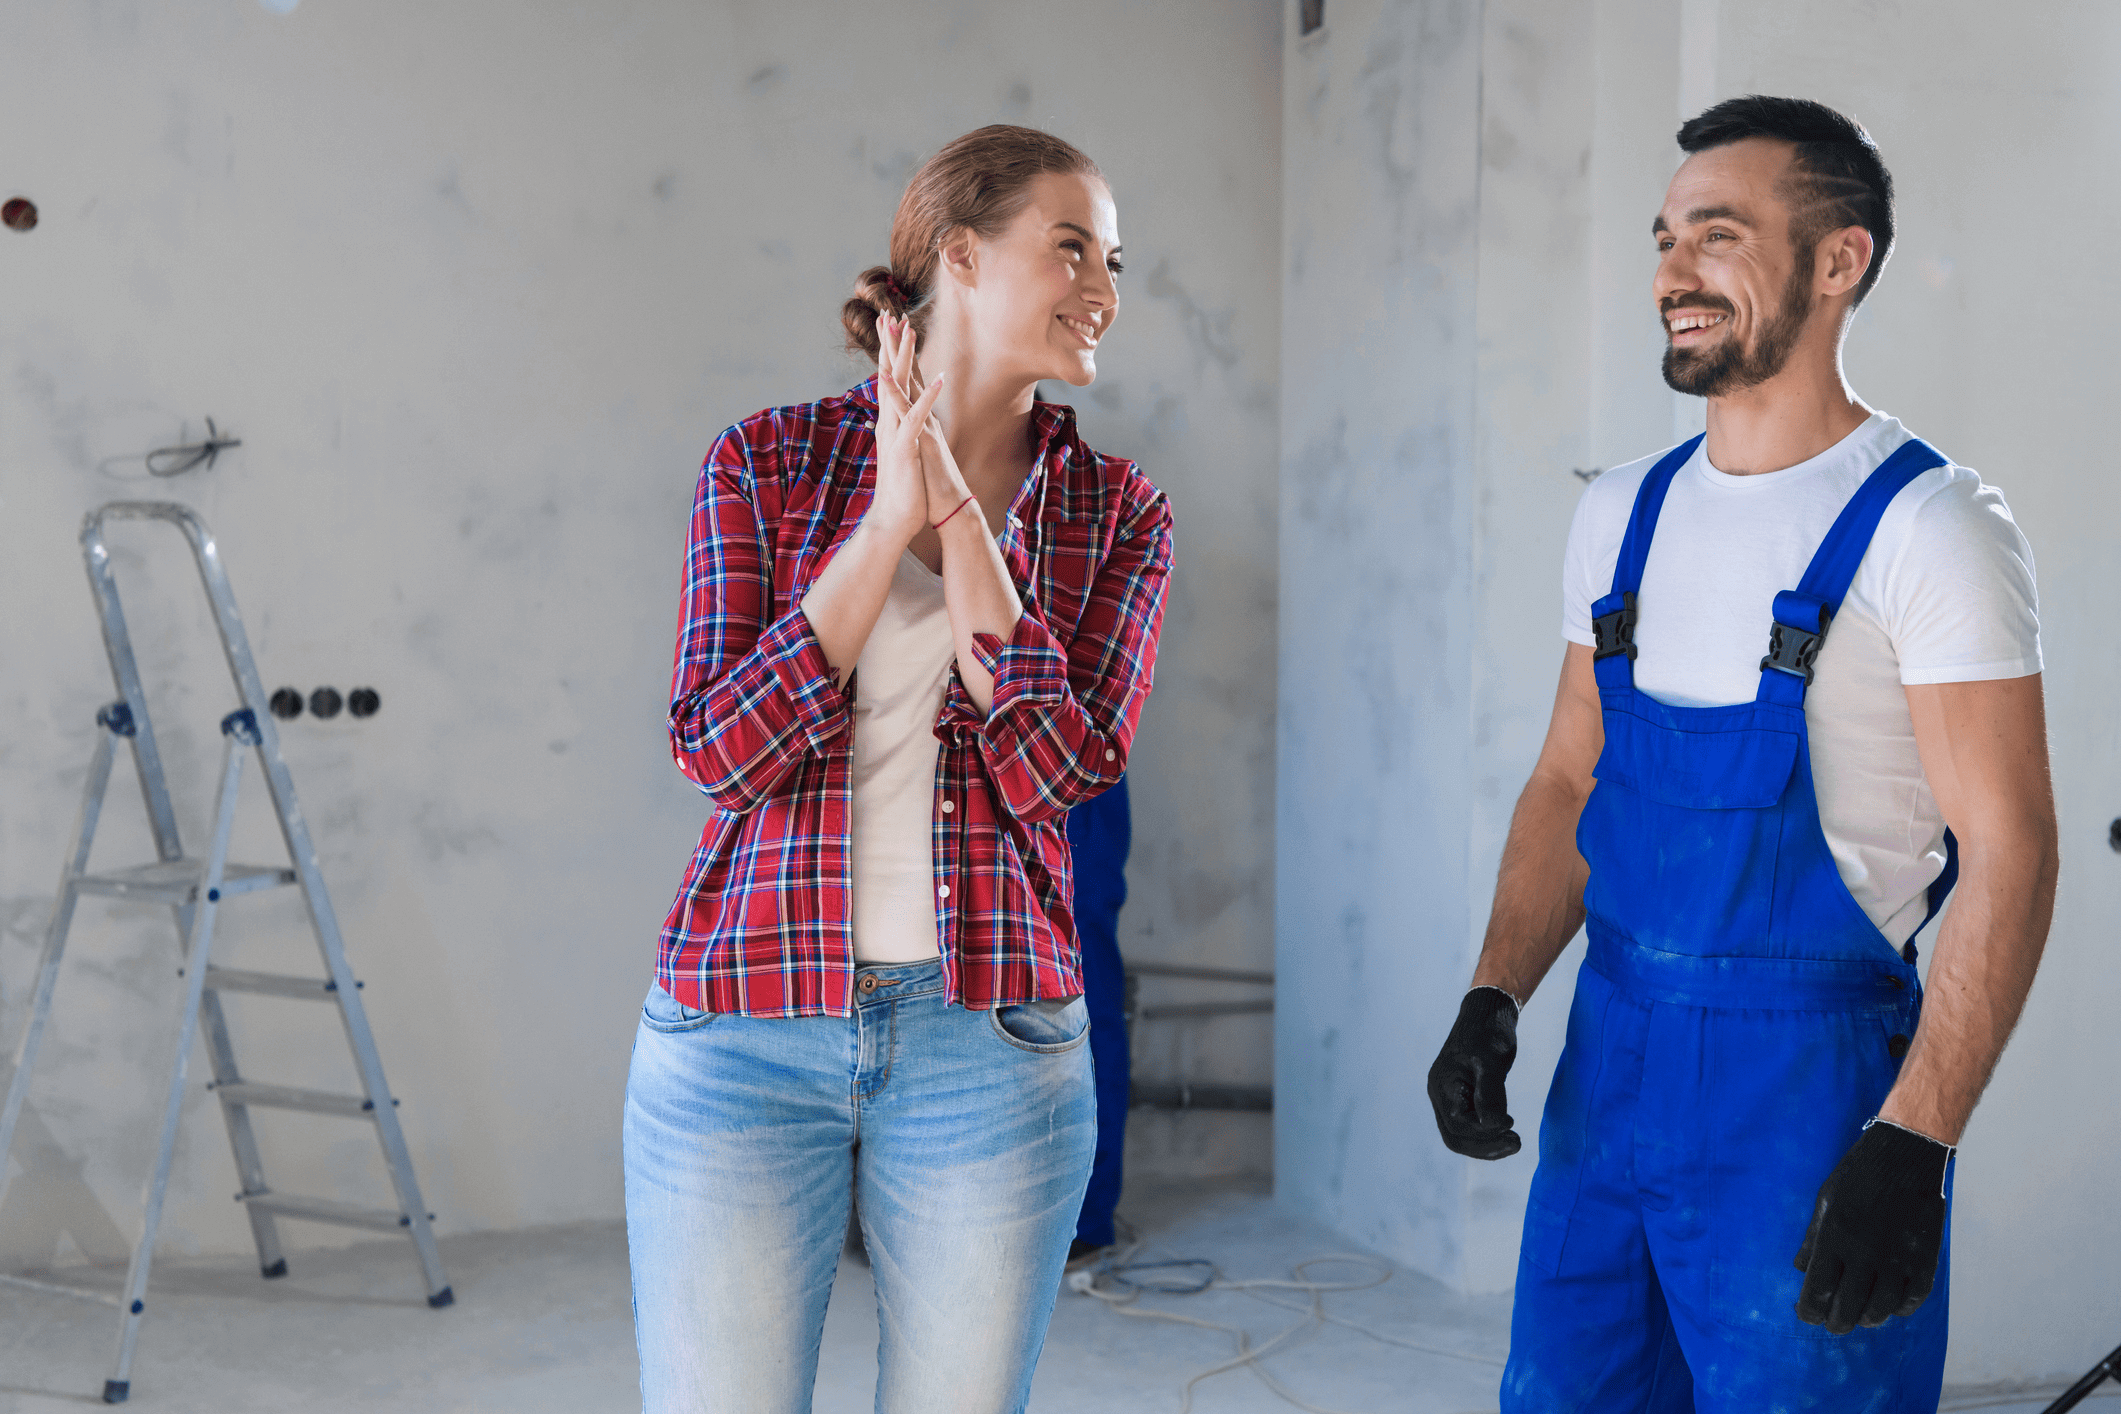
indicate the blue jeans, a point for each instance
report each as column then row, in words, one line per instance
column 968, row 1135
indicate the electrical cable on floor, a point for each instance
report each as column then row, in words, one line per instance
column 2005, row 1401
column 1120, row 1281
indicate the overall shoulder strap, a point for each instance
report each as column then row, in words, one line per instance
column 1940, row 889
column 1613, row 617
column 1803, row 614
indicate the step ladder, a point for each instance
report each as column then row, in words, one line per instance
column 194, row 887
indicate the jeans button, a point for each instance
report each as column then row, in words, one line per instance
column 867, row 984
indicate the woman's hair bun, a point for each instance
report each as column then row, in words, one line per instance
column 876, row 292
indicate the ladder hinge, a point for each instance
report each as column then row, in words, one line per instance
column 242, row 724
column 117, row 718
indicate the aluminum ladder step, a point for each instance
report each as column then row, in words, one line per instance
column 288, row 1097
column 325, row 1210
column 176, row 881
column 270, row 984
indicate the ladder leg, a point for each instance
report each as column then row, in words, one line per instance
column 119, row 1385
column 242, row 1141
column 54, row 946
column 388, row 1133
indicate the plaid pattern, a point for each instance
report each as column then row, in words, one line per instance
column 762, row 925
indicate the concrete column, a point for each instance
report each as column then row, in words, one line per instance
column 1381, row 170
column 1457, row 297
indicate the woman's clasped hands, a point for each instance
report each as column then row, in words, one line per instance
column 903, row 410
column 908, row 427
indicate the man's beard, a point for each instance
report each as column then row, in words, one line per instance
column 1728, row 366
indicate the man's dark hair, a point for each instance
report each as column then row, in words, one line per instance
column 1836, row 178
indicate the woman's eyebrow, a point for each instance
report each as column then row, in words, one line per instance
column 1083, row 232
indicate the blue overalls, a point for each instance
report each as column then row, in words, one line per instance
column 1736, row 1021
column 1100, row 832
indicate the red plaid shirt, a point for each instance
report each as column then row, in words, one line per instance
column 762, row 925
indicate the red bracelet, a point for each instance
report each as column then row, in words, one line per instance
column 946, row 519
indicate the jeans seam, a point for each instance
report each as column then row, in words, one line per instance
column 854, row 1087
column 888, row 1021
column 890, row 1049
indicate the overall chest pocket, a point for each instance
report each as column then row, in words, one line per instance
column 1710, row 759
column 1685, row 825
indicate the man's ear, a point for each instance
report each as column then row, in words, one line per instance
column 958, row 257
column 1844, row 256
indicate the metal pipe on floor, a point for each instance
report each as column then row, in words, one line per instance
column 1183, row 1095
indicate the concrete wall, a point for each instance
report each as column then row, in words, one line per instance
column 1466, row 322
column 1379, row 493
column 1437, row 159
column 477, row 285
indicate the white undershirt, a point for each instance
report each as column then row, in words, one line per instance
column 899, row 682
column 1944, row 594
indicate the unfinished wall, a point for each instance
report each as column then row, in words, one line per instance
column 1379, row 342
column 1435, row 398
column 476, row 286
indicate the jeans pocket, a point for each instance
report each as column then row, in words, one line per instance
column 1046, row 1028
column 665, row 1013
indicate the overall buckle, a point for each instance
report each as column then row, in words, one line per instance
column 1794, row 650
column 1615, row 632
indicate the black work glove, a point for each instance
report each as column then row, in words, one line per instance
column 1465, row 1084
column 1871, row 1251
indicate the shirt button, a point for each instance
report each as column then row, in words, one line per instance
column 1111, row 755
column 942, row 891
column 948, row 806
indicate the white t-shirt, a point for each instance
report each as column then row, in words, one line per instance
column 1944, row 594
column 899, row 683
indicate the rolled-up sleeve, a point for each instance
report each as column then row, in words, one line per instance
column 751, row 693
column 1062, row 719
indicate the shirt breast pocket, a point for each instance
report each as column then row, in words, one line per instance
column 1070, row 553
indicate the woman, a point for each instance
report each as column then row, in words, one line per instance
column 919, row 623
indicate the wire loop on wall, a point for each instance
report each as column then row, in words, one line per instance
column 175, row 461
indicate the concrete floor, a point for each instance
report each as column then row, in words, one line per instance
column 542, row 1324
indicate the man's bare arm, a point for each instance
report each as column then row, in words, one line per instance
column 1539, row 889
column 1984, row 750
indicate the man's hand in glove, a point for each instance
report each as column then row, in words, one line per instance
column 1872, row 1248
column 1465, row 1084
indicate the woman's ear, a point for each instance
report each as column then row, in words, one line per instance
column 958, row 257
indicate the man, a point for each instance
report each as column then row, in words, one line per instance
column 1100, row 832
column 1745, row 1163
